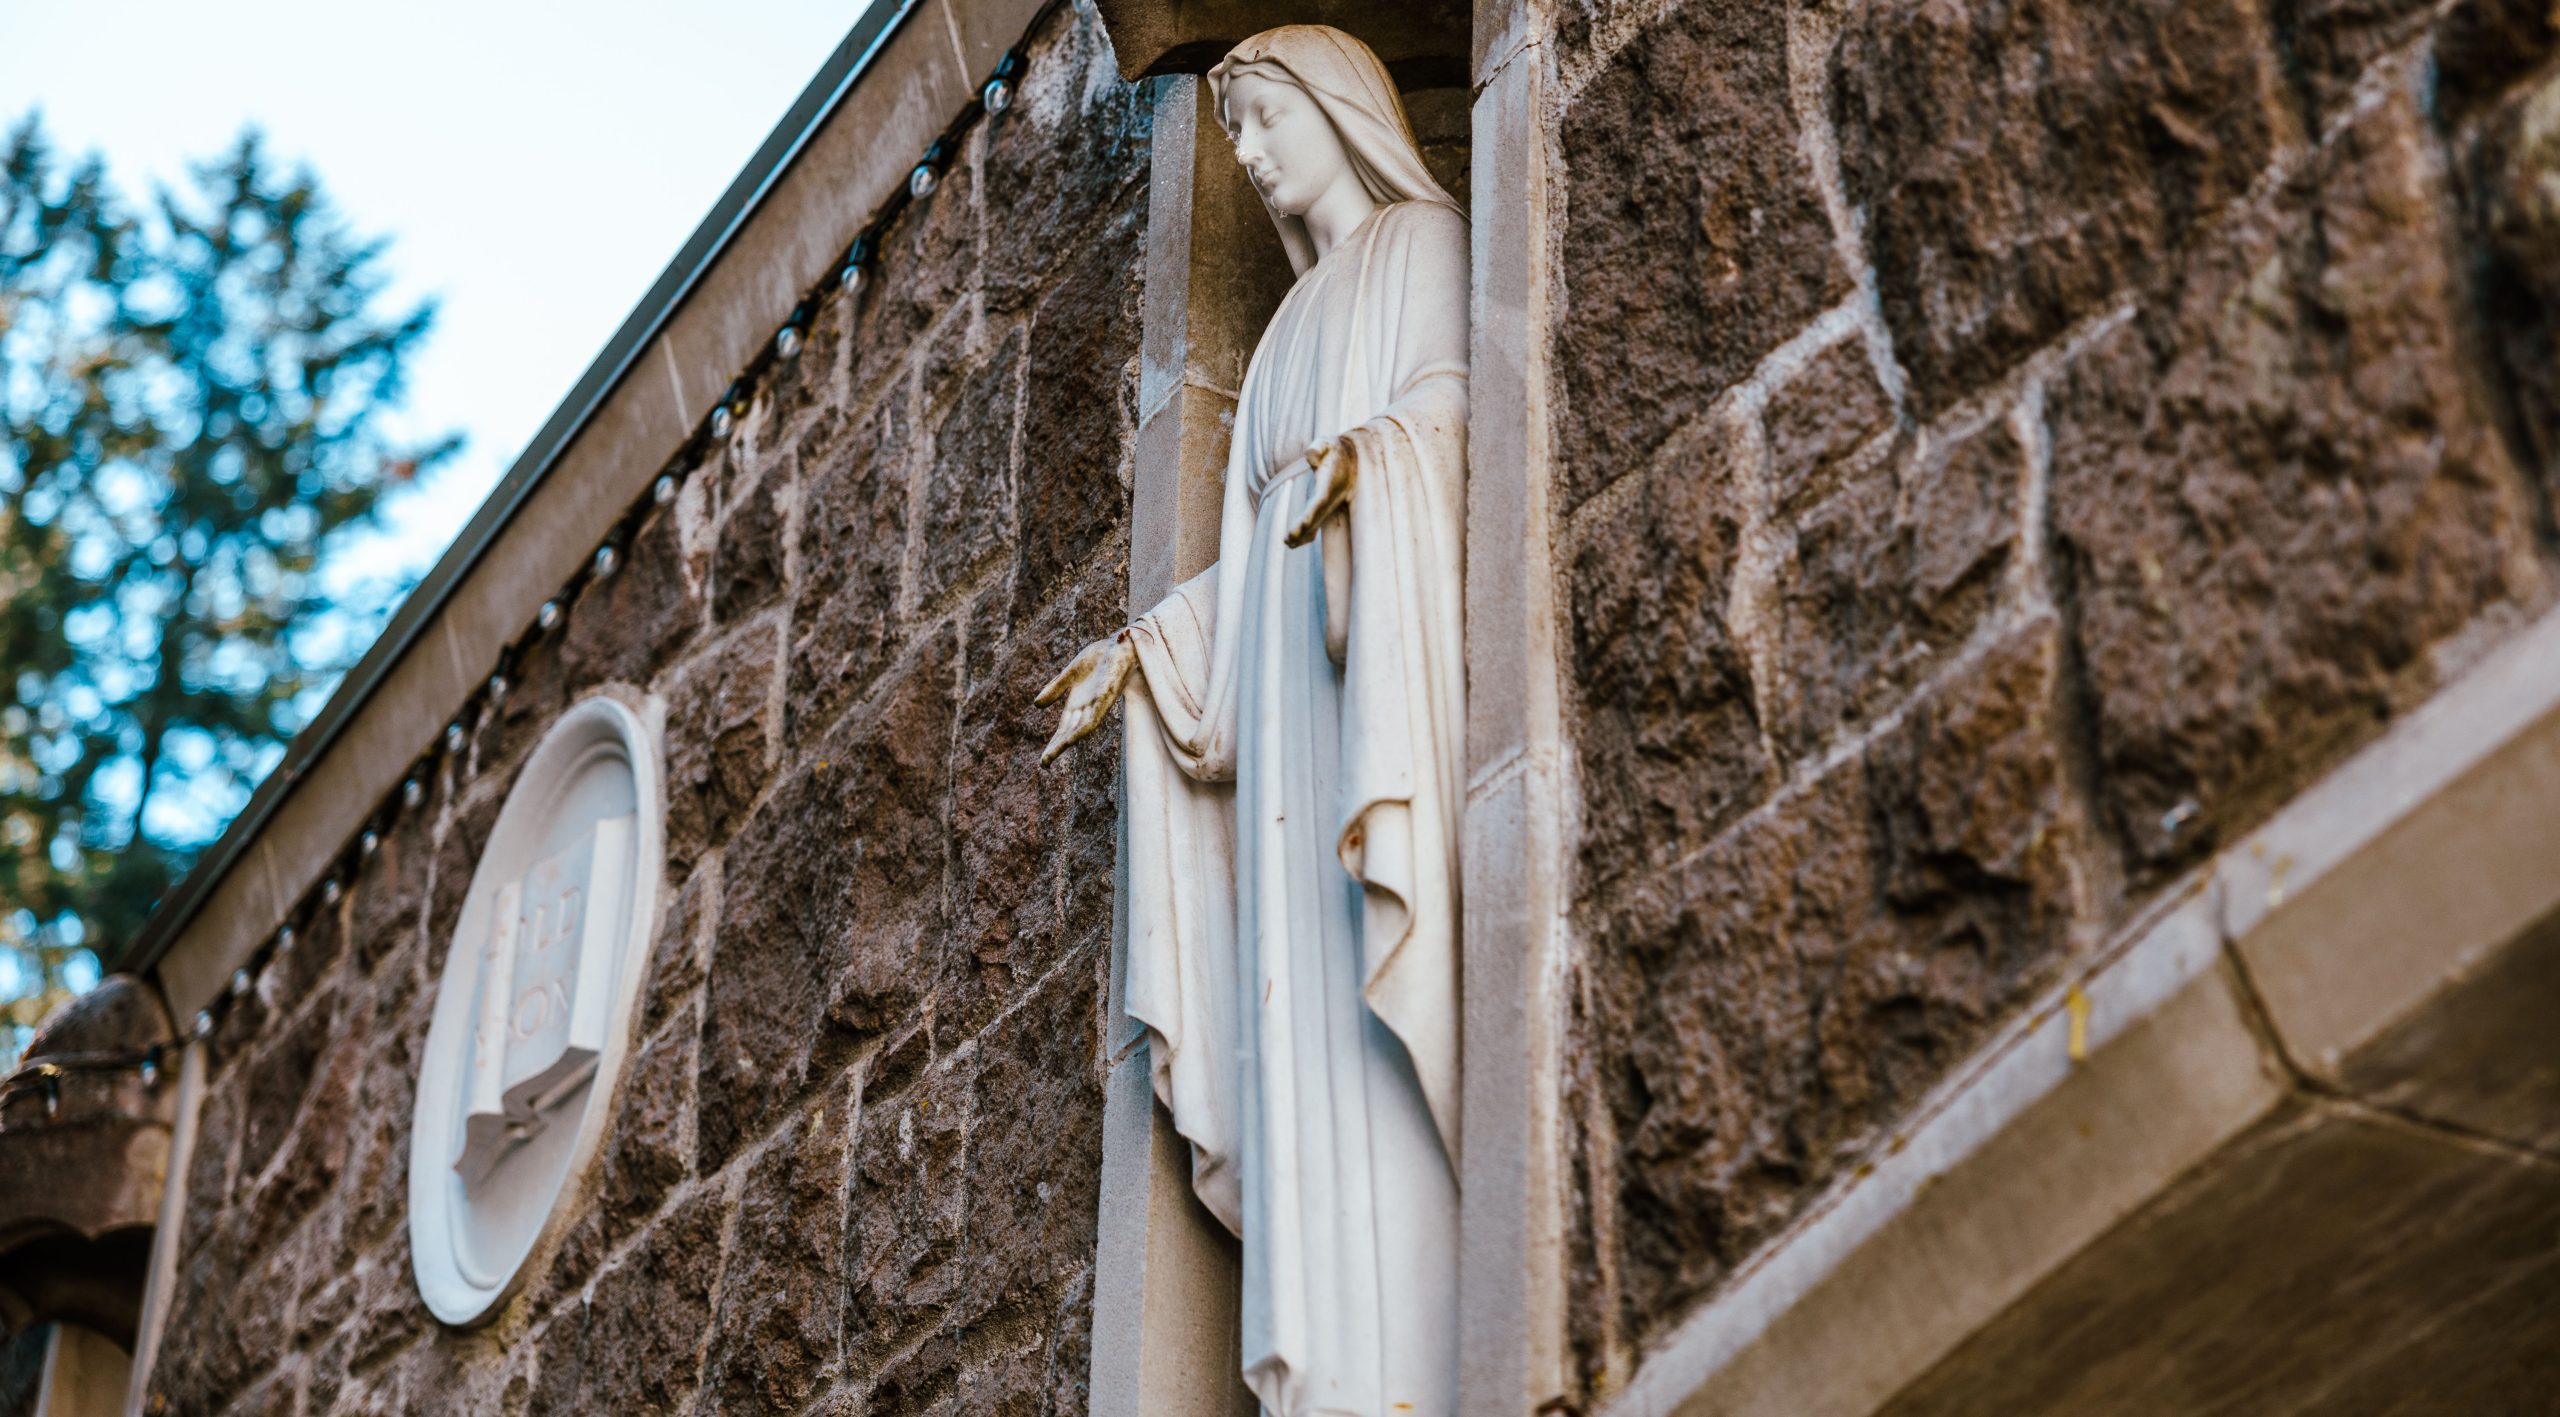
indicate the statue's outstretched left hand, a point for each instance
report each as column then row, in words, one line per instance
column 1091, row 684
column 1337, row 468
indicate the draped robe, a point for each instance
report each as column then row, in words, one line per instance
column 1293, row 770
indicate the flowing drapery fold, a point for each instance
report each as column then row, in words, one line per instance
column 1293, row 771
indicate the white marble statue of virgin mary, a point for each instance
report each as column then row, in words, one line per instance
column 1293, row 762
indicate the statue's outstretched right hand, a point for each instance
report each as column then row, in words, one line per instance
column 1091, row 683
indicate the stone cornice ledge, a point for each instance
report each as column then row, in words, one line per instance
column 2368, row 900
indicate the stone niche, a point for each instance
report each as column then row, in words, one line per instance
column 539, row 983
column 1424, row 42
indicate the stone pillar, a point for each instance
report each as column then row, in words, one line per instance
column 1166, row 1301
column 163, row 1274
column 1510, row 1277
column 85, row 1375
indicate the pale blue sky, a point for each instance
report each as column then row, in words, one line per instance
column 536, row 164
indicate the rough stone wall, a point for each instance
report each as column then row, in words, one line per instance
column 856, row 1149
column 22, row 1370
column 2008, row 448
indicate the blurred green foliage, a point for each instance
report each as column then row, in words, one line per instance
column 197, row 396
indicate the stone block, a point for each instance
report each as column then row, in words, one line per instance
column 275, row 1395
column 327, row 1300
column 199, row 1370
column 747, row 566
column 899, row 1061
column 537, row 693
column 387, row 893
column 648, row 1149
column 560, row 1360
column 1008, row 1360
column 455, row 1370
column 927, row 264
column 1444, row 134
column 675, row 959
column 948, row 354
column 1178, row 474
column 853, row 549
column 1070, row 1385
column 627, row 626
column 1761, row 1009
column 1669, row 734
column 719, row 745
column 780, row 1321
column 457, row 857
column 1886, row 579
column 2483, row 46
column 968, row 511
column 811, row 388
column 847, row 855
column 1074, row 143
column 636, row 1346
column 1012, row 1373
column 236, row 1035
column 908, row 1201
column 376, row 1198
column 1833, row 407
column 1215, row 270
column 1695, row 235
column 1032, row 844
column 1035, row 1146
column 210, row 1167
column 932, row 1380
column 315, row 1151
column 324, row 1378
column 275, row 1083
column 1079, row 408
column 265, row 1331
column 319, row 941
column 2020, row 164
column 2273, row 497
column 380, row 1395
column 2332, row 42
column 2511, row 175
column 387, row 1312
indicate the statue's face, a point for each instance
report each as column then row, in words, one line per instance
column 1287, row 145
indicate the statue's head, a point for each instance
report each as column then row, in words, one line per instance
column 1286, row 144
column 1309, row 107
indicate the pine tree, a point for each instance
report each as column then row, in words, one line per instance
column 195, row 400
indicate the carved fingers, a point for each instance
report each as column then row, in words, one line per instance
column 1337, row 469
column 1091, row 683
column 1076, row 669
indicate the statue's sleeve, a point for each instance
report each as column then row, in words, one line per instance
column 1178, row 812
column 1404, row 711
column 1180, row 975
column 1187, row 650
column 1175, row 644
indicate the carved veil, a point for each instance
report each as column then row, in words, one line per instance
column 1351, row 86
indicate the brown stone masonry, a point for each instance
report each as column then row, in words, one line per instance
column 2010, row 448
column 854, row 1162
